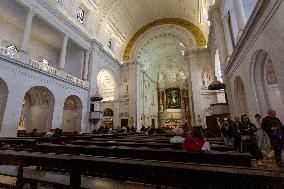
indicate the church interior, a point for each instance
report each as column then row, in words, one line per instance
column 141, row 94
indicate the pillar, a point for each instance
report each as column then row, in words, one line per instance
column 24, row 57
column 240, row 14
column 86, row 65
column 63, row 52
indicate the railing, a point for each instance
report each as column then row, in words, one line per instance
column 44, row 67
column 74, row 79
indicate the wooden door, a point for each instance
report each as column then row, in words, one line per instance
column 212, row 126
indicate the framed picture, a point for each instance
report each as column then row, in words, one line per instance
column 173, row 99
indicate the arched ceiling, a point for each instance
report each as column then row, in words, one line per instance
column 120, row 20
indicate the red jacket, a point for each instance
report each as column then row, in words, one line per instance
column 193, row 144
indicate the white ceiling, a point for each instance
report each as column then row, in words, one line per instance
column 119, row 20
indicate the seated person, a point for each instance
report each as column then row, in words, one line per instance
column 34, row 133
column 143, row 129
column 49, row 134
column 177, row 139
column 195, row 141
column 151, row 131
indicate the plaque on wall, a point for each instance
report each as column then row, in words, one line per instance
column 173, row 100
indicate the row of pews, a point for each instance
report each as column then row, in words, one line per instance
column 136, row 158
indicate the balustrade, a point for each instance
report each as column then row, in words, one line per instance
column 74, row 79
column 44, row 67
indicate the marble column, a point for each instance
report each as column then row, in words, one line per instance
column 240, row 14
column 86, row 65
column 63, row 52
column 24, row 57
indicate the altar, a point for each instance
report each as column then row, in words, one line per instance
column 173, row 108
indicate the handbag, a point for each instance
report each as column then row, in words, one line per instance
column 275, row 133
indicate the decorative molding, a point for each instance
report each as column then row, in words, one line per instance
column 200, row 39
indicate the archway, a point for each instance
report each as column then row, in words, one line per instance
column 265, row 84
column 241, row 106
column 37, row 110
column 3, row 99
column 72, row 114
column 106, row 87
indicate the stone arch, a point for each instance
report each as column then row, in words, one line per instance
column 265, row 84
column 72, row 114
column 197, row 33
column 3, row 99
column 241, row 106
column 37, row 110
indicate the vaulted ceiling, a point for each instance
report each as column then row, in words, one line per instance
column 119, row 20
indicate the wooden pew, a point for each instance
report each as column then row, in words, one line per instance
column 174, row 174
column 211, row 157
column 17, row 143
column 160, row 140
column 144, row 144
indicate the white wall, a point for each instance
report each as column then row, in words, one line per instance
column 265, row 35
column 12, row 23
column 20, row 79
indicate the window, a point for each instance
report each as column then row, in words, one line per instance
column 8, row 50
column 231, row 29
column 110, row 44
column 80, row 15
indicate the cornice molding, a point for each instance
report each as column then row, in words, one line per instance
column 251, row 33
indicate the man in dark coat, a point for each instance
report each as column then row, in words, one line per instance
column 274, row 129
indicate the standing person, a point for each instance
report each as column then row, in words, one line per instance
column 261, row 136
column 248, row 129
column 274, row 129
column 227, row 132
column 232, row 125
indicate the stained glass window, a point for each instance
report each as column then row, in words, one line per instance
column 80, row 15
column 8, row 50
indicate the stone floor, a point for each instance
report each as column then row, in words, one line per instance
column 97, row 183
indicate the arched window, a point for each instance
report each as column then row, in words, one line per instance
column 80, row 15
